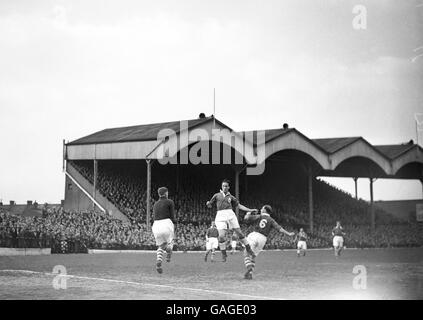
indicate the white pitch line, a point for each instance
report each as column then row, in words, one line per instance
column 144, row 284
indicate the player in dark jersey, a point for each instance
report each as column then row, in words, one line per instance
column 226, row 218
column 212, row 243
column 163, row 227
column 262, row 223
column 338, row 239
column 301, row 244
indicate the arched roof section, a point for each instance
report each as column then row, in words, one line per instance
column 291, row 139
column 345, row 148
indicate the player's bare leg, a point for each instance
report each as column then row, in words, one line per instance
column 212, row 255
column 336, row 251
column 244, row 241
column 207, row 254
column 222, row 243
column 161, row 251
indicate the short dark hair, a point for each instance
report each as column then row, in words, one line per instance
column 226, row 180
column 162, row 191
column 268, row 209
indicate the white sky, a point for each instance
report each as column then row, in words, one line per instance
column 70, row 68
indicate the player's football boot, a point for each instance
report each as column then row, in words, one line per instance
column 249, row 274
column 159, row 267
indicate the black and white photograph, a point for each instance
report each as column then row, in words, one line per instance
column 223, row 151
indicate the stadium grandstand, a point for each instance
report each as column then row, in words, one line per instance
column 112, row 177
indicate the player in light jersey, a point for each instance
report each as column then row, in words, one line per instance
column 301, row 244
column 212, row 242
column 163, row 226
column 226, row 218
column 263, row 223
column 234, row 241
column 338, row 238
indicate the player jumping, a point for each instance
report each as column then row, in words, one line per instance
column 263, row 224
column 211, row 241
column 226, row 218
column 301, row 244
column 163, row 226
column 338, row 240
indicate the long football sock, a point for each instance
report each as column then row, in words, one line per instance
column 222, row 246
column 212, row 255
column 249, row 262
column 169, row 252
column 160, row 254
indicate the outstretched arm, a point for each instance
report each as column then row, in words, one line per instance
column 244, row 208
column 250, row 217
column 291, row 234
column 278, row 227
column 212, row 200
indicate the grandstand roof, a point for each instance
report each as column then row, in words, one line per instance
column 392, row 151
column 332, row 145
column 144, row 132
column 141, row 142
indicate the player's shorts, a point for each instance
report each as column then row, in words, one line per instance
column 233, row 244
column 163, row 231
column 226, row 219
column 212, row 243
column 302, row 245
column 338, row 241
column 256, row 241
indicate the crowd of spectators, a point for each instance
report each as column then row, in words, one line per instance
column 98, row 230
column 123, row 183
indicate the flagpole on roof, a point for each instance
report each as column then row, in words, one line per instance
column 214, row 107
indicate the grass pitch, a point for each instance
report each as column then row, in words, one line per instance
column 391, row 274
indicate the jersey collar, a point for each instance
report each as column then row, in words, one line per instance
column 228, row 194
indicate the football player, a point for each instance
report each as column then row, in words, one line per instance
column 163, row 226
column 263, row 223
column 211, row 241
column 226, row 217
column 338, row 238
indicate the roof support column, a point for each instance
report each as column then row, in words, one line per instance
column 237, row 172
column 177, row 178
column 356, row 190
column 148, row 212
column 310, row 197
column 246, row 183
column 95, row 181
column 372, row 208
